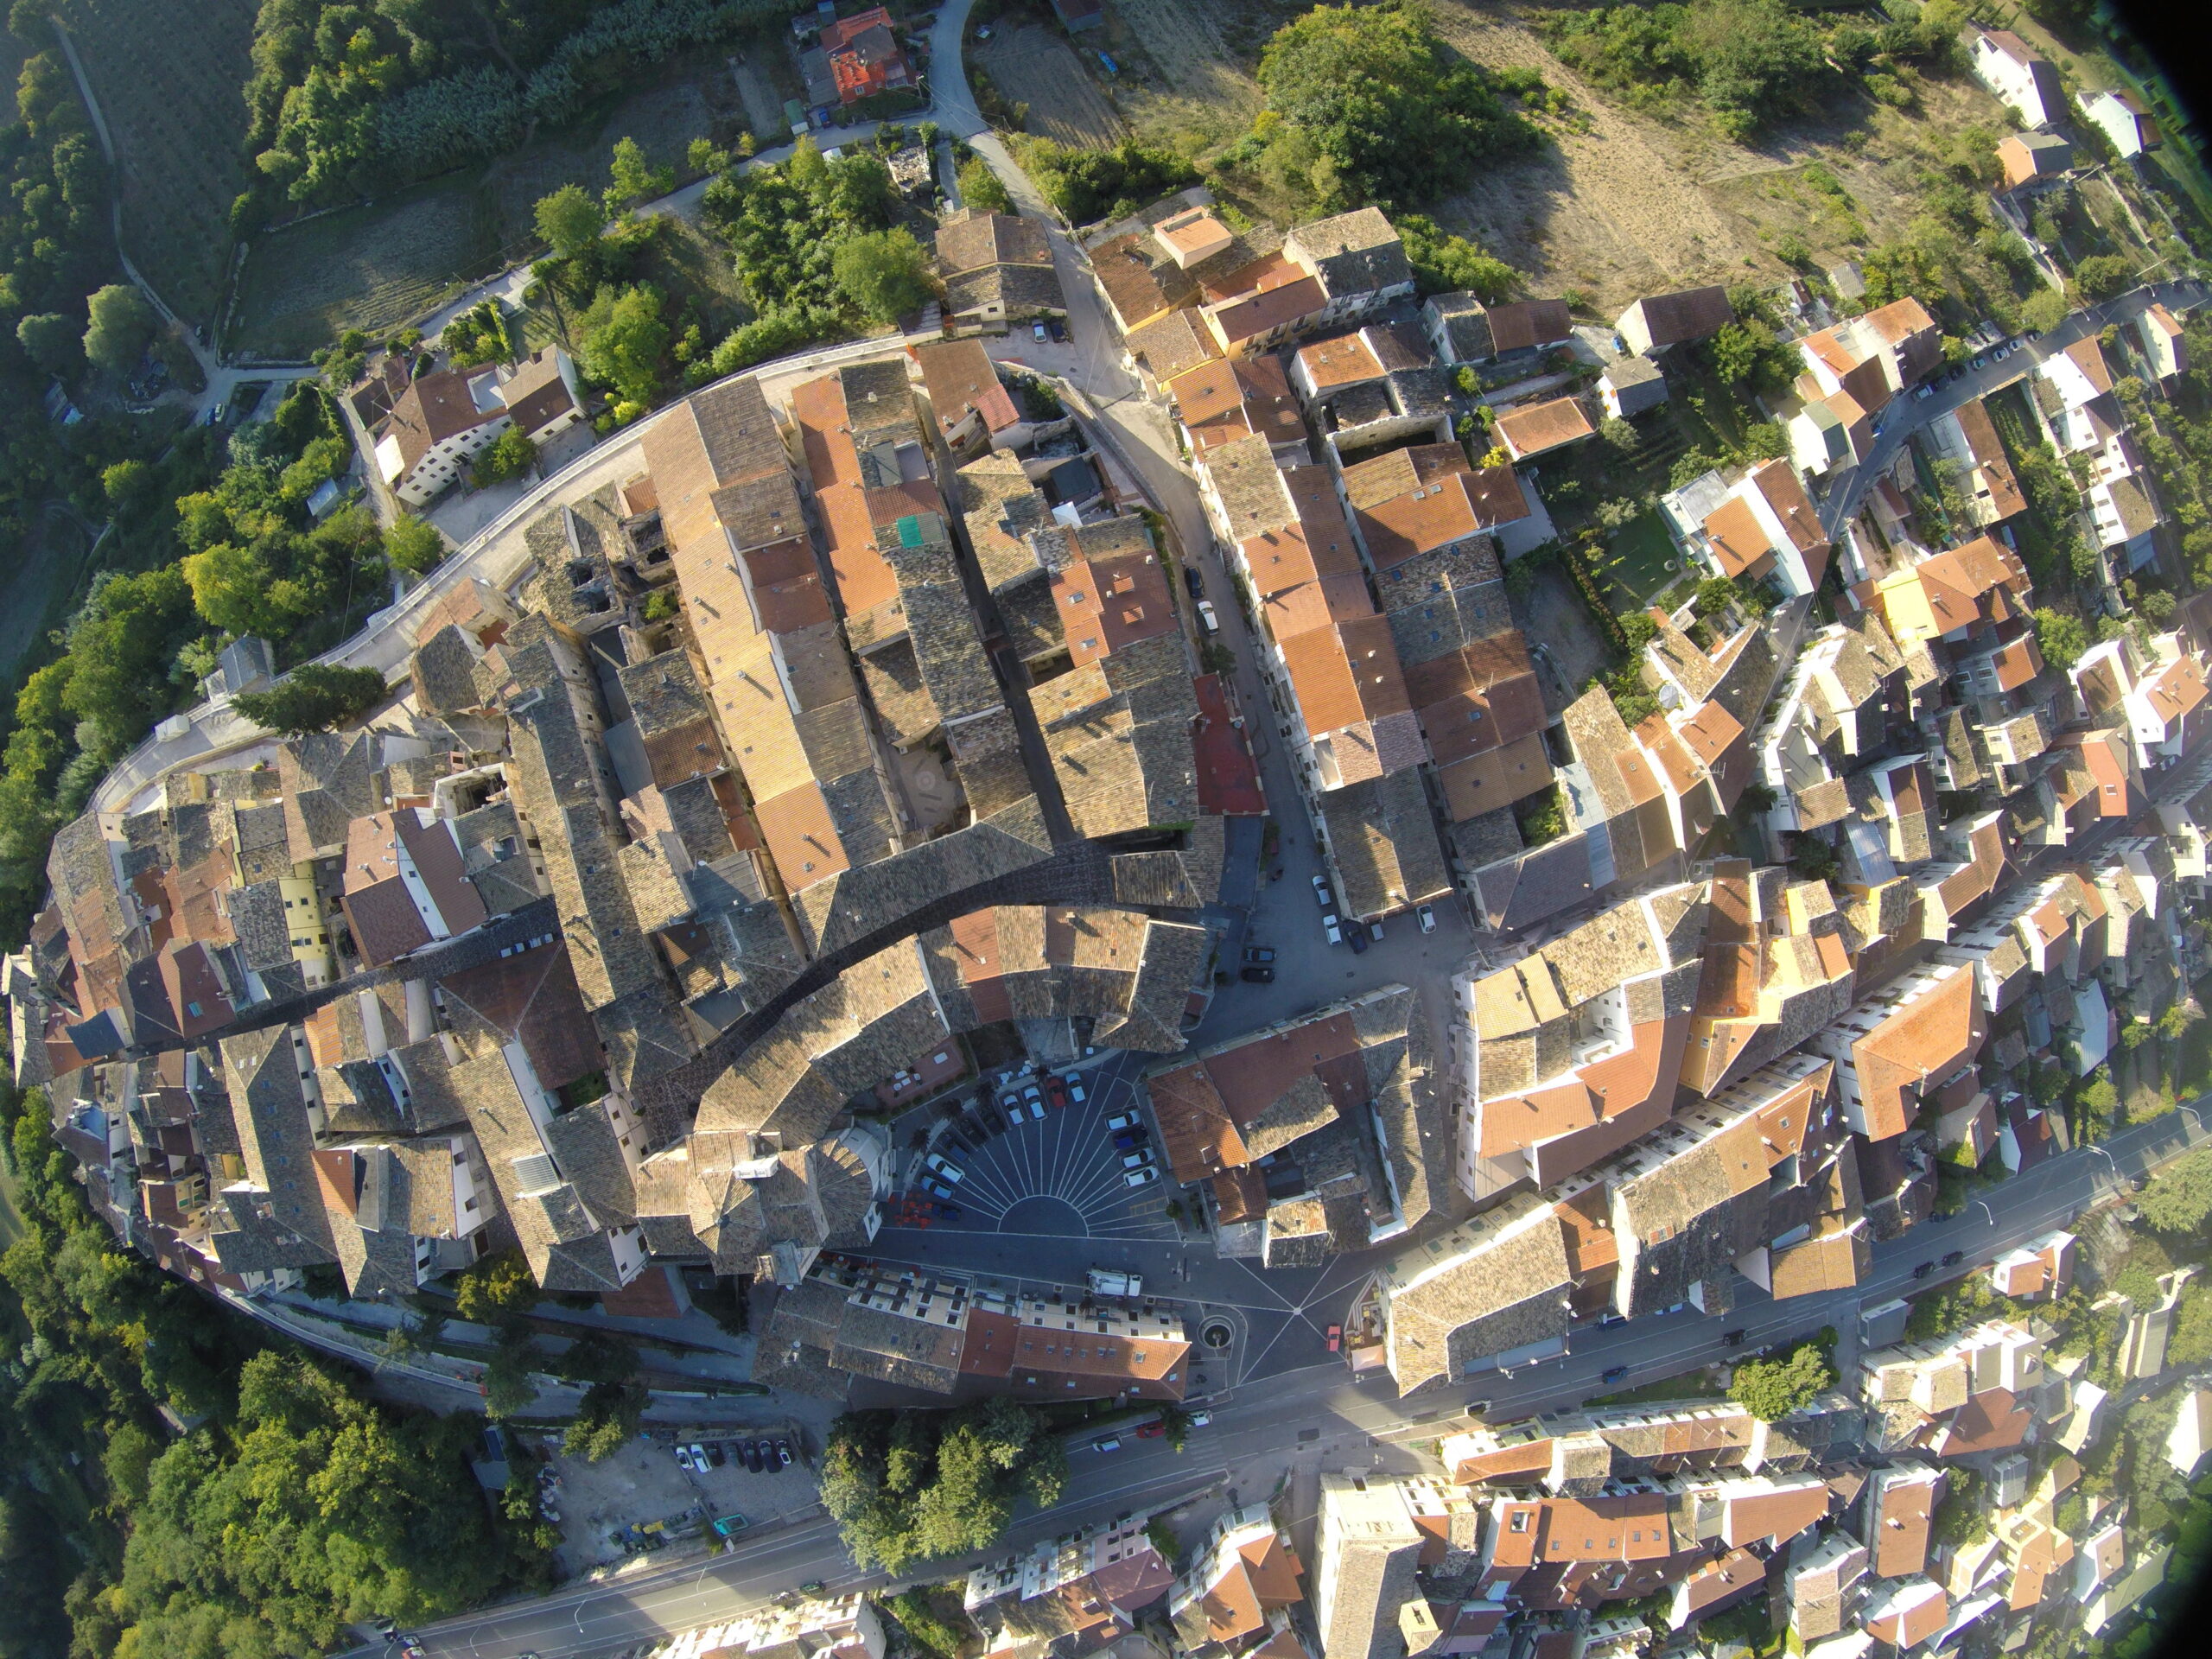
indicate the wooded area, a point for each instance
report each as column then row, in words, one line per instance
column 288, row 1504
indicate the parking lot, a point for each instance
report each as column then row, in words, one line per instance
column 642, row 1499
column 1060, row 1176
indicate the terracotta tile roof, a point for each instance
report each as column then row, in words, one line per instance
column 1345, row 673
column 1346, row 360
column 1314, row 604
column 1400, row 472
column 958, row 376
column 1460, row 504
column 1739, row 546
column 1254, row 316
column 1538, row 430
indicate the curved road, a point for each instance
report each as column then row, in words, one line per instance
column 1319, row 1407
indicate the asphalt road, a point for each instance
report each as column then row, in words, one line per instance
column 1908, row 414
column 1321, row 1409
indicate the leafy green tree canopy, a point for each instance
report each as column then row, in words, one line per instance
column 571, row 220
column 122, row 327
column 885, row 273
column 2179, row 1198
column 1394, row 114
column 313, row 698
column 414, row 545
column 911, row 1486
column 1772, row 1390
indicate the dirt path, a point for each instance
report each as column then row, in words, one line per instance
column 1614, row 211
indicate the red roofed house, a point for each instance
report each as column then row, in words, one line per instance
column 1896, row 1048
column 865, row 57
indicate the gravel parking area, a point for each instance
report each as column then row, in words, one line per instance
column 643, row 1483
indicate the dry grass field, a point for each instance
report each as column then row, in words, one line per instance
column 1032, row 65
column 169, row 80
column 1617, row 203
column 377, row 266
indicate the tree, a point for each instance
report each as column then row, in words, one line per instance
column 1445, row 262
column 313, row 698
column 705, row 157
column 2061, row 636
column 1391, row 114
column 2042, row 310
column 627, row 349
column 122, row 328
column 980, row 188
column 571, row 219
column 1714, row 594
column 885, row 273
column 2101, row 276
column 2179, row 1198
column 606, row 1421
column 509, row 455
column 496, row 1290
column 910, row 1486
column 511, row 1375
column 635, row 181
column 414, row 545
column 1772, row 1390
column 53, row 341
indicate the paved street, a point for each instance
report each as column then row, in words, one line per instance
column 1908, row 414
column 1259, row 1433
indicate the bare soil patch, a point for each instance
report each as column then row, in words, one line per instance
column 1029, row 65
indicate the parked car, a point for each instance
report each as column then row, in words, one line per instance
column 1039, row 332
column 1200, row 1418
column 1257, row 953
column 683, row 1460
column 1953, row 1258
column 1077, row 1092
column 1033, row 1098
column 1329, row 927
column 936, row 1188
column 938, row 1163
column 1124, row 1121
column 1207, row 619
column 1427, row 915
column 1477, row 1407
column 1195, row 580
column 1322, row 893
column 1107, row 1443
column 1011, row 1105
column 1055, row 1092
column 1732, row 1338
column 1614, row 1373
column 1375, row 932
column 1128, row 1141
column 1137, row 1160
column 1923, row 1270
column 1336, row 1337
column 1144, row 1177
column 699, row 1458
column 782, row 1454
column 1358, row 939
column 1151, row 1431
column 715, row 1455
column 1060, row 330
column 1252, row 975
column 754, row 1460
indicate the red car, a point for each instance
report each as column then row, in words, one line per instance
column 1151, row 1431
column 1336, row 1337
column 1055, row 1092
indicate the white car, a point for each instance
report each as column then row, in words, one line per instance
column 947, row 1171
column 1137, row 1160
column 1329, row 926
column 1011, row 1105
column 1375, row 932
column 1322, row 891
column 1033, row 1098
column 1120, row 1120
column 1144, row 1177
column 1427, row 918
column 683, row 1458
column 1200, row 1418
column 1206, row 615
column 1075, row 1093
